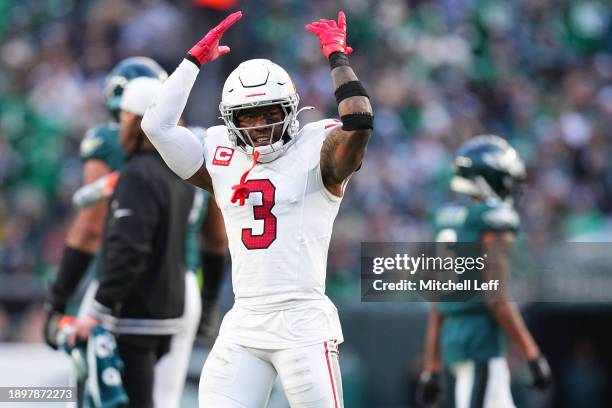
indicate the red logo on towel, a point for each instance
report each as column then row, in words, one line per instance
column 223, row 156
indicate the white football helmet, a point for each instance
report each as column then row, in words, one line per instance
column 256, row 83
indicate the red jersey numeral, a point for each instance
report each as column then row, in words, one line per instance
column 261, row 212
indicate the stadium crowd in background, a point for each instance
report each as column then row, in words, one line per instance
column 538, row 72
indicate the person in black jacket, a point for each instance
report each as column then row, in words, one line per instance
column 142, row 281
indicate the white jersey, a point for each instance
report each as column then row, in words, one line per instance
column 278, row 241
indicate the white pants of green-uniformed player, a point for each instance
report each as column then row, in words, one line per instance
column 171, row 369
column 483, row 384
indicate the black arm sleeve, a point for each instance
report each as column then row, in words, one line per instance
column 213, row 266
column 72, row 268
column 128, row 240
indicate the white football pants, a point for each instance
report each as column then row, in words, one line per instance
column 171, row 369
column 485, row 384
column 242, row 377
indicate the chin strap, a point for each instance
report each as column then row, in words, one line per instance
column 241, row 191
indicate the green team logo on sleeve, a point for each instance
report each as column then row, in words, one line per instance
column 90, row 143
column 102, row 143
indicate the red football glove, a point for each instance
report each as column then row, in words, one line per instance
column 332, row 36
column 208, row 48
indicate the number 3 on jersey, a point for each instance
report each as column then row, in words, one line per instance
column 261, row 212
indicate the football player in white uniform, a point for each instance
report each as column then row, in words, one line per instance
column 279, row 188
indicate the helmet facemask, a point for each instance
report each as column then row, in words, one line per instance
column 242, row 139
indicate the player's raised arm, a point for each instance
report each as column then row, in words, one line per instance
column 182, row 150
column 344, row 149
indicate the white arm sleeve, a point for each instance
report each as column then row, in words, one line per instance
column 178, row 146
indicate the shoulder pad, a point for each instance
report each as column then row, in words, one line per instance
column 318, row 130
column 310, row 138
column 215, row 136
column 91, row 142
column 102, row 143
column 330, row 123
column 323, row 124
column 217, row 131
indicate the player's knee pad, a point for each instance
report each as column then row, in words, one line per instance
column 234, row 377
column 311, row 376
column 297, row 375
column 221, row 366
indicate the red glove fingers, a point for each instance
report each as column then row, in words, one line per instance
column 227, row 23
column 208, row 48
column 342, row 21
column 342, row 26
column 332, row 35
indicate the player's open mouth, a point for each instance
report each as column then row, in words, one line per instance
column 261, row 141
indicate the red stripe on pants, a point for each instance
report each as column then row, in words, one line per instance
column 331, row 377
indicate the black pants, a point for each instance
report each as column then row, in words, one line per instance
column 140, row 354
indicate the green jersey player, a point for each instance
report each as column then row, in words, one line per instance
column 469, row 338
